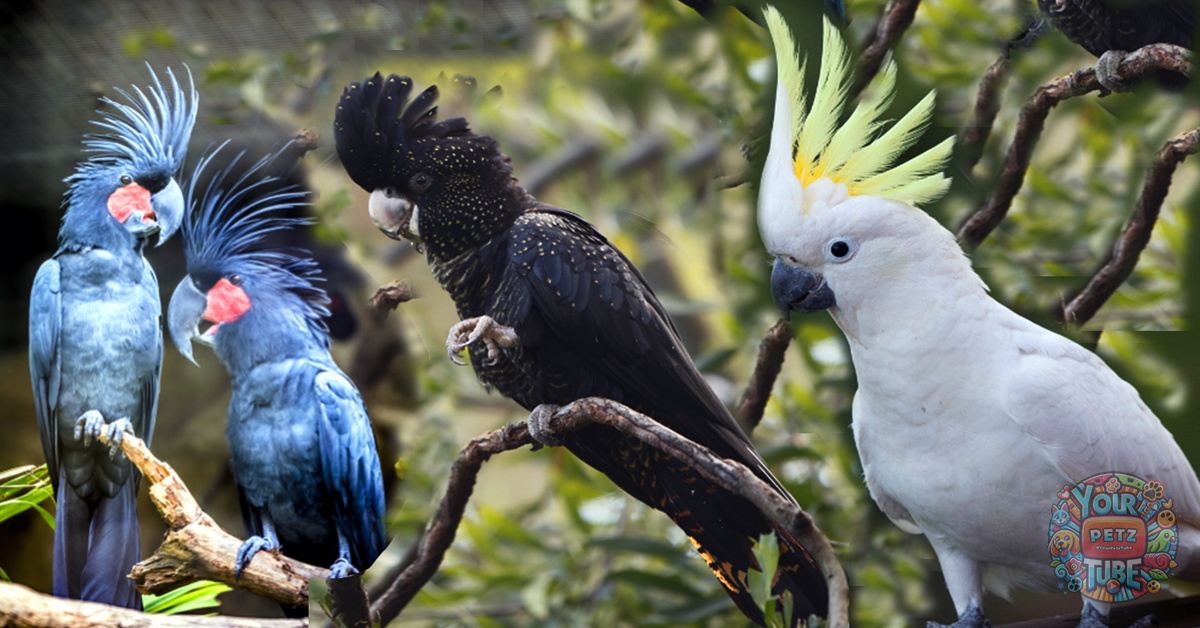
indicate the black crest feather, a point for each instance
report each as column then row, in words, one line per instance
column 375, row 125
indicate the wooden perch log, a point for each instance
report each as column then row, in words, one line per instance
column 1138, row 64
column 1123, row 256
column 987, row 105
column 196, row 548
column 21, row 607
column 729, row 475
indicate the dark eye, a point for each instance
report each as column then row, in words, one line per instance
column 420, row 182
column 235, row 280
column 126, row 179
column 840, row 249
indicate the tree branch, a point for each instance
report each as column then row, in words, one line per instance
column 350, row 608
column 896, row 18
column 771, row 352
column 21, row 607
column 1123, row 256
column 196, row 548
column 987, row 104
column 1136, row 65
column 390, row 296
column 729, row 475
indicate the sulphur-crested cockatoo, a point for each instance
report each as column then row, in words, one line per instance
column 969, row 418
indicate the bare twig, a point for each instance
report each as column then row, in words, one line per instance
column 729, row 475
column 21, row 607
column 440, row 535
column 987, row 104
column 390, row 296
column 896, row 18
column 196, row 548
column 1136, row 65
column 771, row 352
column 1125, row 251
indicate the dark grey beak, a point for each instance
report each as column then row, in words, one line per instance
column 798, row 289
column 187, row 308
column 168, row 206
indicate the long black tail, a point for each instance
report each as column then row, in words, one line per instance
column 96, row 546
column 721, row 525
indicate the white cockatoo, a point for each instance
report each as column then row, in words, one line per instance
column 969, row 419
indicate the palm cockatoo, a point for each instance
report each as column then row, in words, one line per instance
column 969, row 419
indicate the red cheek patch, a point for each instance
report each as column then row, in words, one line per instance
column 127, row 200
column 226, row 303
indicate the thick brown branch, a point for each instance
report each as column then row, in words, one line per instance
column 21, row 607
column 896, row 18
column 1136, row 65
column 987, row 104
column 771, row 352
column 196, row 548
column 444, row 525
column 1125, row 251
column 727, row 474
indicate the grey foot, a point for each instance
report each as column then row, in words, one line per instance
column 1149, row 621
column 1092, row 618
column 539, row 426
column 91, row 425
column 971, row 618
column 482, row 328
column 247, row 551
column 1106, row 70
column 341, row 568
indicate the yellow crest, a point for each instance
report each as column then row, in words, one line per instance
column 855, row 154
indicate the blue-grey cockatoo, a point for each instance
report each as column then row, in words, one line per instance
column 304, row 456
column 95, row 335
column 969, row 419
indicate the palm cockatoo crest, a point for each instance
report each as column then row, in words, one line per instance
column 969, row 419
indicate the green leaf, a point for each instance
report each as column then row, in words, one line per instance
column 674, row 583
column 637, row 545
column 190, row 597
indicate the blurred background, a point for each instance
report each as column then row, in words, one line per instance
column 645, row 118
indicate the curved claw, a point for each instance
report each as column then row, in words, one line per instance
column 247, row 551
column 116, row 433
column 341, row 568
column 89, row 426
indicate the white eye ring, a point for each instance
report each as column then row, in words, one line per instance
column 839, row 250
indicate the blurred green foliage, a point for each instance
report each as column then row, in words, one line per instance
column 194, row 596
column 664, row 107
column 21, row 489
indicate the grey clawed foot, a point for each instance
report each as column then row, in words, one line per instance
column 482, row 328
column 341, row 568
column 247, row 551
column 971, row 618
column 1149, row 621
column 1092, row 618
column 539, row 425
column 1106, row 71
column 91, row 425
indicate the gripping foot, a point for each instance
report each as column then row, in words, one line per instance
column 247, row 551
column 971, row 618
column 539, row 426
column 341, row 568
column 1106, row 70
column 482, row 328
column 91, row 425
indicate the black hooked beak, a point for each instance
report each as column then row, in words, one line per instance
column 168, row 206
column 798, row 289
column 184, row 314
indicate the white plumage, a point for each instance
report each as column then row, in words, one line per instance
column 968, row 418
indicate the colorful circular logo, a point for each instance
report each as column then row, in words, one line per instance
column 1113, row 537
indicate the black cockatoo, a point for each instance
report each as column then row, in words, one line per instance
column 95, row 335
column 563, row 315
column 304, row 456
column 1110, row 29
